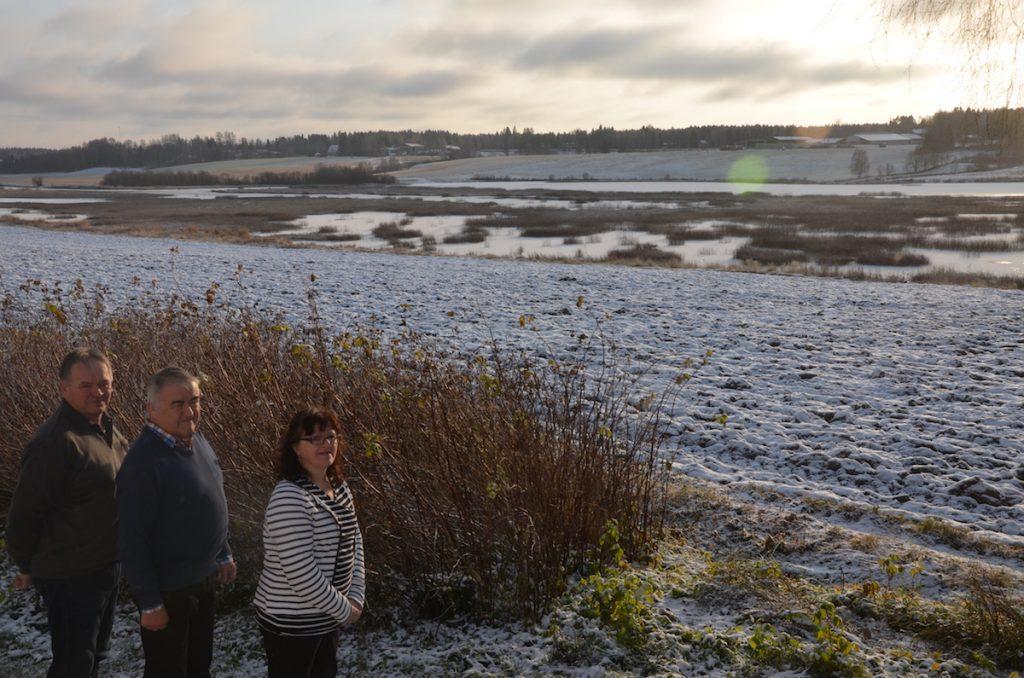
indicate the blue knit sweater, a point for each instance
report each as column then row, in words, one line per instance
column 172, row 516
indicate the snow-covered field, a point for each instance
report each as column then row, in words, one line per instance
column 991, row 189
column 903, row 396
column 893, row 400
column 811, row 165
column 771, row 165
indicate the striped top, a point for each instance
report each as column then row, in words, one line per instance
column 312, row 560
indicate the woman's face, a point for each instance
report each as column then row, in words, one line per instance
column 317, row 451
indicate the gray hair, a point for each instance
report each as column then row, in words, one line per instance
column 168, row 375
column 80, row 355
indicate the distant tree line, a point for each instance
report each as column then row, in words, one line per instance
column 1000, row 130
column 172, row 149
column 321, row 176
column 953, row 127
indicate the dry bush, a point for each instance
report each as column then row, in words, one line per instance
column 483, row 481
column 469, row 234
column 390, row 230
column 959, row 226
column 837, row 250
column 987, row 618
column 993, row 617
column 773, row 256
column 329, row 237
column 646, row 252
column 959, row 244
column 948, row 276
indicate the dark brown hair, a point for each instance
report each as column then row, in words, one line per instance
column 304, row 423
column 81, row 354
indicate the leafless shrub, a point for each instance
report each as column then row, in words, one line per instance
column 837, row 250
column 470, row 233
column 646, row 252
column 390, row 230
column 773, row 256
column 948, row 276
column 332, row 237
column 961, row 245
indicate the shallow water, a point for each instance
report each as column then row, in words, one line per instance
column 36, row 215
column 510, row 242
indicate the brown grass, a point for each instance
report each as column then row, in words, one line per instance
column 770, row 244
column 470, row 233
column 644, row 253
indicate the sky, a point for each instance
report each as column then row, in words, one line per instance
column 139, row 69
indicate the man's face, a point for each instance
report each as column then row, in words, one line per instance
column 177, row 409
column 88, row 389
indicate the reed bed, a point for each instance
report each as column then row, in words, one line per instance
column 773, row 245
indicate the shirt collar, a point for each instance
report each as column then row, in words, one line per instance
column 168, row 439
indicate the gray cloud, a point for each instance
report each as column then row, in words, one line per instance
column 655, row 53
column 472, row 64
column 94, row 20
column 666, row 54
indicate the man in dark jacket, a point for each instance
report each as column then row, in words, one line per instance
column 173, row 529
column 61, row 528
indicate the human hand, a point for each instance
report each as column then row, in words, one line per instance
column 22, row 581
column 357, row 612
column 155, row 620
column 227, row 572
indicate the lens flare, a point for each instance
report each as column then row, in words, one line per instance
column 747, row 173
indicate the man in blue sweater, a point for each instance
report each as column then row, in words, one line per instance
column 173, row 529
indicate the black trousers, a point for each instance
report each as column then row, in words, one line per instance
column 184, row 648
column 301, row 656
column 80, row 613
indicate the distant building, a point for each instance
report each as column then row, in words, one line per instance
column 797, row 142
column 494, row 153
column 793, row 141
column 884, row 139
column 333, row 149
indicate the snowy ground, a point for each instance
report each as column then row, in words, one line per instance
column 903, row 396
column 817, row 165
column 883, row 403
column 811, row 165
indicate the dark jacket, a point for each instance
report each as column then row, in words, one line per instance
column 63, row 519
column 173, row 518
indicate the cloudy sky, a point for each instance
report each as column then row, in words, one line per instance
column 73, row 71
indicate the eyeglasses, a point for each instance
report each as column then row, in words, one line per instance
column 317, row 441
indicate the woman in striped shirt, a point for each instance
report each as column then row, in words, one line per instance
column 313, row 579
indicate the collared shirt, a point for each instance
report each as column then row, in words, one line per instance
column 171, row 441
